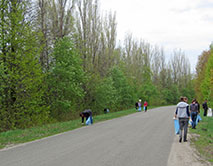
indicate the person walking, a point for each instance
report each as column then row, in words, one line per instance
column 205, row 107
column 198, row 104
column 145, row 106
column 185, row 99
column 193, row 113
column 182, row 113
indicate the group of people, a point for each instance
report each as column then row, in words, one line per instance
column 138, row 105
column 185, row 112
column 87, row 114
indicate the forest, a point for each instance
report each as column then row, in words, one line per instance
column 59, row 57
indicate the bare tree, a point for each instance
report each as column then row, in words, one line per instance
column 96, row 36
column 54, row 19
column 60, row 13
column 87, row 30
column 42, row 20
column 180, row 68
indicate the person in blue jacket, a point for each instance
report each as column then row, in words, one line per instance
column 86, row 114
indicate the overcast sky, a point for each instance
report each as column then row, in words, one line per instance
column 172, row 24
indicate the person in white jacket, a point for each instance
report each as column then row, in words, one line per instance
column 182, row 113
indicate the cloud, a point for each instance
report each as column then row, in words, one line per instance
column 205, row 4
column 188, row 6
column 207, row 18
column 176, row 10
column 185, row 24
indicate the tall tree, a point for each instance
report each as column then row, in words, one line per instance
column 200, row 73
column 66, row 78
column 60, row 14
column 96, row 37
column 54, row 19
column 42, row 25
column 124, row 93
column 22, row 77
column 207, row 82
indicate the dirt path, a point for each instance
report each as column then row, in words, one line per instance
column 183, row 154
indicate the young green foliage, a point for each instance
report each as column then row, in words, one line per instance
column 207, row 83
column 124, row 92
column 21, row 76
column 105, row 95
column 65, row 79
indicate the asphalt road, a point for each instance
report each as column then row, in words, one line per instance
column 140, row 139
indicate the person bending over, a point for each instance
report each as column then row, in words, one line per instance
column 86, row 114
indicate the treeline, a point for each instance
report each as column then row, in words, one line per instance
column 58, row 57
column 204, row 77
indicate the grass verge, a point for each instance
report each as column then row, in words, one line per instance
column 13, row 137
column 204, row 139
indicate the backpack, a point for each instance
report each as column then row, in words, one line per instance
column 194, row 108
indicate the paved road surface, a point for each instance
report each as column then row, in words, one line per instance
column 140, row 139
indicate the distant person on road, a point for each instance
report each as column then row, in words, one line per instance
column 182, row 113
column 86, row 114
column 136, row 106
column 193, row 113
column 139, row 105
column 145, row 106
column 205, row 108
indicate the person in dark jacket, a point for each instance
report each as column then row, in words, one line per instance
column 136, row 105
column 205, row 107
column 198, row 104
column 106, row 110
column 194, row 113
column 182, row 112
column 86, row 114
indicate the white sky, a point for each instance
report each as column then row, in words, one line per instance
column 172, row 24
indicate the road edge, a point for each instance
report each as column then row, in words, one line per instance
column 185, row 154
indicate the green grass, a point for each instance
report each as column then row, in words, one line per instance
column 204, row 142
column 14, row 137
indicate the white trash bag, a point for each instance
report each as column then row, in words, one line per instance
column 209, row 114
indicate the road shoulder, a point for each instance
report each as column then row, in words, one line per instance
column 184, row 154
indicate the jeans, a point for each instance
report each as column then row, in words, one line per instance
column 205, row 112
column 193, row 117
column 183, row 122
column 91, row 120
